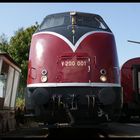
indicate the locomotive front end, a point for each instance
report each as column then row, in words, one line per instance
column 73, row 72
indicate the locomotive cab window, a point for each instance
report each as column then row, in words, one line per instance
column 54, row 21
column 85, row 20
column 90, row 21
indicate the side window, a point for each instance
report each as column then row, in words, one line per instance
column 3, row 78
column 136, row 78
column 139, row 82
column 2, row 85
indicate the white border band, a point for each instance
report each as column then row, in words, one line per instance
column 74, row 84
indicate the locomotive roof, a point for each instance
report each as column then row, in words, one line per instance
column 74, row 13
column 130, row 62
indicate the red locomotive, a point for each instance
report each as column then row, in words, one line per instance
column 130, row 81
column 73, row 72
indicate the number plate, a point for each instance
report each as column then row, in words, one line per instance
column 74, row 63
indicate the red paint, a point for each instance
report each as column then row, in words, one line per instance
column 127, row 79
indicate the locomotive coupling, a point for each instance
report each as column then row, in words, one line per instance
column 69, row 100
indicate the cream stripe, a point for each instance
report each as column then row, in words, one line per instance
column 73, row 47
column 73, row 84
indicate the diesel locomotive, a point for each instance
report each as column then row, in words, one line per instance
column 73, row 72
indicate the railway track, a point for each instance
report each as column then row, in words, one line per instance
column 27, row 132
column 108, row 130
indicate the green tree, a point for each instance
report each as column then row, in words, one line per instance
column 3, row 43
column 18, row 48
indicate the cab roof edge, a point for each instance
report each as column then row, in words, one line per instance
column 73, row 13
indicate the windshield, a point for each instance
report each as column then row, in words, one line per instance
column 55, row 21
column 85, row 20
column 88, row 21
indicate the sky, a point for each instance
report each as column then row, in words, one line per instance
column 122, row 18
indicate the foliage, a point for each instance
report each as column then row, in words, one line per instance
column 20, row 103
column 3, row 43
column 18, row 48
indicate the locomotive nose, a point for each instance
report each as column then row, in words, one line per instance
column 40, row 96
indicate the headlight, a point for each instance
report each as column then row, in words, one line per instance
column 103, row 78
column 44, row 78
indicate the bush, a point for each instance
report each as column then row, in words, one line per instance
column 20, row 103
